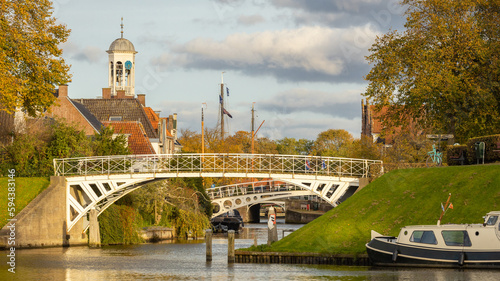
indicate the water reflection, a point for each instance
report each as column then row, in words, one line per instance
column 185, row 260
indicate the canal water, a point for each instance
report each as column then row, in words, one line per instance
column 185, row 260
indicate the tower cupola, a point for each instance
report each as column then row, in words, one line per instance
column 121, row 69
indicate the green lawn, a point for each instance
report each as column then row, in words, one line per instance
column 397, row 199
column 26, row 190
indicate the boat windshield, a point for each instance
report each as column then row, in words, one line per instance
column 456, row 238
column 492, row 220
column 422, row 236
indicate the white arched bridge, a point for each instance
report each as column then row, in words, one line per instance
column 98, row 182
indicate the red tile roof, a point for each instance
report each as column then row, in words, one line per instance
column 138, row 141
column 153, row 118
column 126, row 109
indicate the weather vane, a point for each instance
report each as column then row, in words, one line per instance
column 121, row 25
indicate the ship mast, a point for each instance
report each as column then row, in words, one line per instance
column 222, row 106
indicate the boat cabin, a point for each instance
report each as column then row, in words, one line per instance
column 474, row 236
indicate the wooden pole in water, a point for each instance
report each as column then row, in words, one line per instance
column 272, row 230
column 230, row 246
column 208, row 242
column 94, row 234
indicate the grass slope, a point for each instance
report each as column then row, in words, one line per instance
column 397, row 199
column 26, row 190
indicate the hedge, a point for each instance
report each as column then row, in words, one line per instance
column 492, row 149
column 456, row 155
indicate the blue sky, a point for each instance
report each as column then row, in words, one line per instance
column 301, row 61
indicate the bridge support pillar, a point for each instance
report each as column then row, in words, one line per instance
column 250, row 214
column 94, row 234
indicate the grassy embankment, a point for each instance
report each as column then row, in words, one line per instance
column 26, row 190
column 397, row 199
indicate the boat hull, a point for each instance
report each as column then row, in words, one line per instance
column 386, row 252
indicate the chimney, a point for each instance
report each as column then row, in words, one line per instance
column 175, row 127
column 157, row 112
column 142, row 99
column 62, row 91
column 120, row 94
column 106, row 93
column 170, row 124
column 163, row 136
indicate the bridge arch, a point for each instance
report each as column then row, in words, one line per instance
column 98, row 182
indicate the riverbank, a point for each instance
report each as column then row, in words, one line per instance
column 301, row 258
column 25, row 190
column 399, row 198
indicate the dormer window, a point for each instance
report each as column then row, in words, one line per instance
column 115, row 118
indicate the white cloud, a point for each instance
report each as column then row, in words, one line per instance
column 306, row 127
column 311, row 53
column 250, row 20
column 345, row 104
column 90, row 54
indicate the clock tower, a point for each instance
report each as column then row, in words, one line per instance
column 121, row 67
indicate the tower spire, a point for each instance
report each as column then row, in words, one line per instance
column 121, row 25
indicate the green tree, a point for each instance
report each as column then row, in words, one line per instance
column 443, row 70
column 105, row 143
column 291, row 146
column 333, row 142
column 31, row 153
column 30, row 59
column 67, row 141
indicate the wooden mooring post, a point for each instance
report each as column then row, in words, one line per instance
column 230, row 246
column 208, row 242
column 94, row 234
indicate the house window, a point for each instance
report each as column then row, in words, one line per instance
column 115, row 118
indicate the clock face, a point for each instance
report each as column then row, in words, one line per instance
column 128, row 65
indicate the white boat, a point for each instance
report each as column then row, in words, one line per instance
column 449, row 245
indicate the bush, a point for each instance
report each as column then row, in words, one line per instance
column 119, row 224
column 491, row 146
column 456, row 155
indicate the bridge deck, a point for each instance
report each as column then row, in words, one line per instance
column 218, row 163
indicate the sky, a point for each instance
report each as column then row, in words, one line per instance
column 301, row 61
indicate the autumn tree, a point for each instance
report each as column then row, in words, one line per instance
column 31, row 62
column 265, row 146
column 365, row 148
column 191, row 141
column 443, row 70
column 333, row 142
column 291, row 146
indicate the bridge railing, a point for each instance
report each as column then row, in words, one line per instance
column 217, row 163
column 249, row 188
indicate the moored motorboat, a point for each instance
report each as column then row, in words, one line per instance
column 228, row 221
column 449, row 245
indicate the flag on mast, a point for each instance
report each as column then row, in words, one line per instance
column 227, row 113
column 227, row 90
